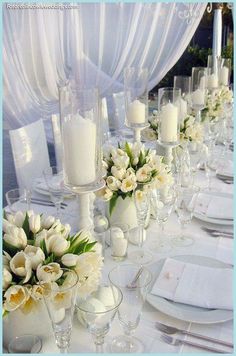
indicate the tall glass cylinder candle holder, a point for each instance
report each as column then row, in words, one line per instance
column 199, row 86
column 225, row 71
column 213, row 66
column 81, row 138
column 168, row 106
column 136, row 99
column 184, row 84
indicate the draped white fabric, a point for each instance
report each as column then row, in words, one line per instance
column 93, row 44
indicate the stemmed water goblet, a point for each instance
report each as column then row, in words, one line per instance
column 142, row 204
column 185, row 204
column 211, row 166
column 163, row 202
column 60, row 296
column 54, row 179
column 98, row 310
column 134, row 283
column 19, row 199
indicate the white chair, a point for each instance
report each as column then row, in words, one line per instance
column 56, row 128
column 30, row 153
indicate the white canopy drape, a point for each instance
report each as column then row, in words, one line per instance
column 93, row 43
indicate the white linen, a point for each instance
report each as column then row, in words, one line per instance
column 217, row 207
column 225, row 250
column 226, row 168
column 201, row 286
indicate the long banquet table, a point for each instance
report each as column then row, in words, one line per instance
column 204, row 245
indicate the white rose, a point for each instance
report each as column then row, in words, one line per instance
column 69, row 259
column 34, row 223
column 105, row 193
column 49, row 273
column 15, row 297
column 113, row 183
column 118, row 173
column 35, row 255
column 57, row 244
column 42, row 235
column 7, row 278
column 21, row 266
column 128, row 184
column 16, row 237
column 47, row 221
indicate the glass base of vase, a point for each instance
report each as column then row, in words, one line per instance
column 140, row 257
column 182, row 241
column 160, row 246
column 126, row 344
column 25, row 344
column 93, row 187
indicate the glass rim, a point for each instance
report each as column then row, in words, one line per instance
column 17, row 337
column 41, row 283
column 131, row 265
column 77, row 88
column 108, row 310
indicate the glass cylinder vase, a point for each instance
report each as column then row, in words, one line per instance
column 81, row 138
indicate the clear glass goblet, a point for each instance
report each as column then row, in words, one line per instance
column 19, row 199
column 185, row 204
column 98, row 310
column 211, row 165
column 163, row 202
column 142, row 204
column 54, row 179
column 60, row 298
column 134, row 282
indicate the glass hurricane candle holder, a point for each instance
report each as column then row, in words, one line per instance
column 199, row 86
column 225, row 71
column 184, row 84
column 213, row 66
column 81, row 138
column 168, row 105
column 136, row 99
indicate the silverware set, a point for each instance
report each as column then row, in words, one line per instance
column 44, row 202
column 225, row 179
column 218, row 232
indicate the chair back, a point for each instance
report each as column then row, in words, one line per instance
column 30, row 153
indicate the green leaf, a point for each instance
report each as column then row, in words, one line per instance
column 89, row 246
column 112, row 203
column 4, row 214
column 12, row 250
column 128, row 151
column 5, row 312
column 43, row 247
column 25, row 225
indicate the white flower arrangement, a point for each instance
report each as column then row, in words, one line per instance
column 35, row 249
column 214, row 109
column 129, row 165
column 151, row 133
column 190, row 130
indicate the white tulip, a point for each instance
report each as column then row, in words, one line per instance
column 47, row 221
column 113, row 183
column 57, row 244
column 135, row 161
column 128, row 184
column 118, row 173
column 6, row 259
column 16, row 237
column 49, row 273
column 57, row 227
column 15, row 297
column 105, row 193
column 35, row 223
column 7, row 278
column 66, row 231
column 21, row 266
column 35, row 255
column 40, row 237
column 120, row 158
column 69, row 259
column 6, row 225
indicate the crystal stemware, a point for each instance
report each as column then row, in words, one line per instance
column 97, row 312
column 60, row 296
column 54, row 180
column 134, row 282
column 211, row 165
column 19, row 199
column 185, row 204
column 142, row 204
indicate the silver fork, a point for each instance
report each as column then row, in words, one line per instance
column 172, row 330
column 177, row 342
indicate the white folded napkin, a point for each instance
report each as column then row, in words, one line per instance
column 196, row 285
column 226, row 168
column 217, row 207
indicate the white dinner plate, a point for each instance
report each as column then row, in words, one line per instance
column 44, row 191
column 186, row 312
column 211, row 220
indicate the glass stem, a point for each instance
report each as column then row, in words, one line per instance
column 64, row 350
column 99, row 341
column 141, row 236
column 58, row 208
column 198, row 116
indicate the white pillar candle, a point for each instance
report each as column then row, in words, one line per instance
column 118, row 242
column 79, row 137
column 212, row 81
column 202, row 84
column 224, row 75
column 136, row 112
column 169, row 123
column 198, row 97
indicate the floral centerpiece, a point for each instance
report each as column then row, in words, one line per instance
column 151, row 133
column 191, row 131
column 35, row 248
column 214, row 109
column 129, row 165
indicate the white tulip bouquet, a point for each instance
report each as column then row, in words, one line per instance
column 190, row 130
column 129, row 165
column 35, row 249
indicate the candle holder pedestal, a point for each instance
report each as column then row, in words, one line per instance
column 165, row 150
column 137, row 128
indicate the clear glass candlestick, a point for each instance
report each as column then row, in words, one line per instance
column 199, row 86
column 60, row 296
column 169, row 124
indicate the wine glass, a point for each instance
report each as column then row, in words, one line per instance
column 199, row 85
column 142, row 204
column 98, row 310
column 211, row 165
column 163, row 201
column 19, row 199
column 134, row 282
column 60, row 297
column 185, row 204
column 54, row 179
column 195, row 150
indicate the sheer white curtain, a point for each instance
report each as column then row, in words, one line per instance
column 93, row 44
